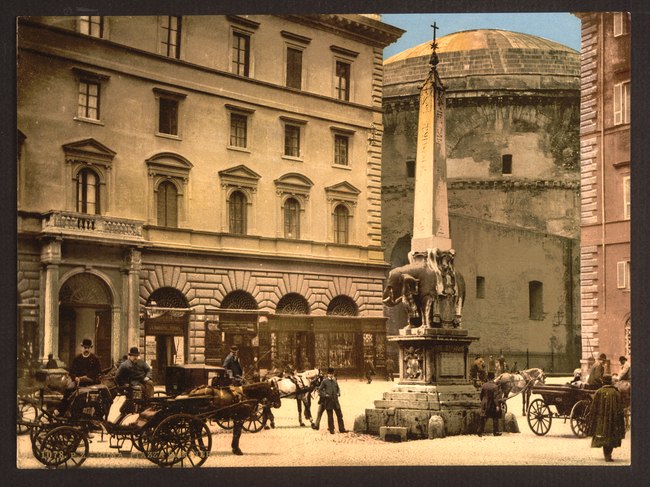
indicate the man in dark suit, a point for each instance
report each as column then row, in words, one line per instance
column 490, row 405
column 232, row 365
column 597, row 372
column 84, row 371
column 329, row 393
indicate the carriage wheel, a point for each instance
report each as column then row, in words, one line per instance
column 64, row 446
column 26, row 416
column 180, row 438
column 143, row 438
column 580, row 418
column 255, row 422
column 539, row 417
column 226, row 423
column 45, row 422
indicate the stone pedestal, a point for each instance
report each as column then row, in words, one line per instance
column 433, row 387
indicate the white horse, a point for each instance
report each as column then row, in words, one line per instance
column 299, row 386
column 510, row 384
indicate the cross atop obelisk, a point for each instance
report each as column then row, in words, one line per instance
column 430, row 211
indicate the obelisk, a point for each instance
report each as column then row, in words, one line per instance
column 430, row 209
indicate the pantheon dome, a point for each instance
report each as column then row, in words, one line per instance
column 512, row 118
column 486, row 59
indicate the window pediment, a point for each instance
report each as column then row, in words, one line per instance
column 342, row 191
column 293, row 183
column 89, row 151
column 169, row 164
column 239, row 176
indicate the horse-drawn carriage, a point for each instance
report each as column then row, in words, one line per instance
column 569, row 403
column 167, row 430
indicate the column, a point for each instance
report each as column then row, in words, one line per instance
column 134, row 265
column 51, row 259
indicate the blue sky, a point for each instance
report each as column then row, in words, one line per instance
column 560, row 27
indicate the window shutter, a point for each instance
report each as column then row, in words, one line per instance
column 618, row 112
column 618, row 24
column 621, row 278
column 626, row 198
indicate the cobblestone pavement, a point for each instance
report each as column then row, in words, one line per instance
column 289, row 445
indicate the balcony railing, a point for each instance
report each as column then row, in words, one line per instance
column 91, row 225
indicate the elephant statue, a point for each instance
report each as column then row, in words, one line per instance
column 414, row 286
column 431, row 289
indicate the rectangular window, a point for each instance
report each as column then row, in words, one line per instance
column 341, row 146
column 622, row 103
column 238, row 130
column 170, row 37
column 626, row 198
column 92, row 25
column 343, row 80
column 536, row 300
column 168, row 116
column 88, row 102
column 292, row 140
column 241, row 53
column 480, row 287
column 294, row 68
column 620, row 24
column 506, row 164
column 623, row 275
column 410, row 168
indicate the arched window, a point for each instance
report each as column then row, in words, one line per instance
column 237, row 213
column 342, row 305
column 167, row 204
column 291, row 219
column 88, row 192
column 341, row 217
column 536, row 300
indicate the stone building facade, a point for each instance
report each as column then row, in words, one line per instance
column 605, row 178
column 190, row 183
column 512, row 117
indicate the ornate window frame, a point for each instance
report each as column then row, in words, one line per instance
column 172, row 167
column 239, row 178
column 346, row 194
column 296, row 186
column 91, row 154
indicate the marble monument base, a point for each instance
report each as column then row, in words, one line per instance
column 433, row 397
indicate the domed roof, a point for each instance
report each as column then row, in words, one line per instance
column 486, row 59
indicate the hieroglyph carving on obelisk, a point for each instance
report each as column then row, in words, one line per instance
column 430, row 209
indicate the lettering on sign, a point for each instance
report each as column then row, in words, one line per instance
column 452, row 364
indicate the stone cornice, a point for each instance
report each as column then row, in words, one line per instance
column 524, row 184
column 353, row 26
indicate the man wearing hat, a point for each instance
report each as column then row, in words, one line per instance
column 477, row 372
column 232, row 365
column 135, row 371
column 596, row 373
column 624, row 371
column 85, row 370
column 607, row 420
column 329, row 393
